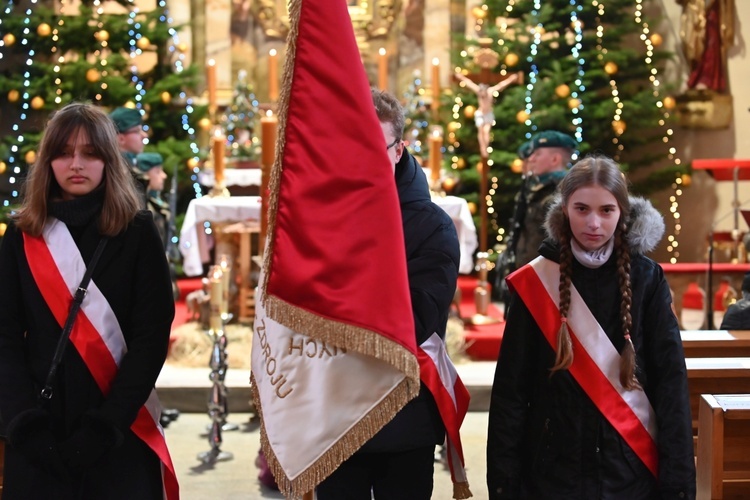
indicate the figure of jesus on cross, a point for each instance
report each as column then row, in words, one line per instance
column 484, row 116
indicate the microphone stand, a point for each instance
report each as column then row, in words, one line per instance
column 710, row 282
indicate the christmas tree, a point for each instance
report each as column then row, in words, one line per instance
column 417, row 115
column 239, row 122
column 589, row 69
column 109, row 53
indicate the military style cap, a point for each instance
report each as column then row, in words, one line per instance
column 126, row 118
column 552, row 139
column 147, row 161
column 525, row 150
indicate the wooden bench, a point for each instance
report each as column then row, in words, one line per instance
column 716, row 343
column 723, row 461
column 716, row 376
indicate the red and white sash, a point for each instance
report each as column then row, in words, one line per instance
column 596, row 362
column 437, row 372
column 57, row 267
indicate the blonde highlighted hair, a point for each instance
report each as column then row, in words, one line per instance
column 121, row 201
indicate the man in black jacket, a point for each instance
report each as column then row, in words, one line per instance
column 737, row 316
column 398, row 462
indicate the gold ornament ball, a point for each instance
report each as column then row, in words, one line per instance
column 478, row 12
column 182, row 47
column 522, row 116
column 686, row 180
column 102, row 35
column 669, row 102
column 453, row 126
column 37, row 103
column 43, row 29
column 13, row 95
column 129, row 104
column 9, row 39
column 3, row 167
column 562, row 91
column 166, row 97
column 511, row 59
column 656, row 39
column 204, row 123
column 517, row 166
column 192, row 163
column 469, row 111
column 619, row 126
column 3, row 227
column 143, row 43
column 472, row 207
column 92, row 75
column 574, row 103
column 461, row 163
column 30, row 157
column 610, row 68
column 448, row 184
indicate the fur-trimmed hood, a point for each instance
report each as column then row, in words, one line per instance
column 645, row 224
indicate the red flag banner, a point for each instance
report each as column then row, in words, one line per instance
column 334, row 351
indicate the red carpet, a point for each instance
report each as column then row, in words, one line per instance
column 186, row 285
column 482, row 341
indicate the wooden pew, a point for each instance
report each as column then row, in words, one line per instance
column 716, row 343
column 723, row 462
column 716, row 376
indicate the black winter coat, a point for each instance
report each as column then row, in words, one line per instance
column 432, row 255
column 547, row 439
column 132, row 274
column 737, row 316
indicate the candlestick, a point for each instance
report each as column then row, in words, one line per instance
column 226, row 271
column 436, row 159
column 268, row 130
column 216, row 289
column 218, row 151
column 382, row 69
column 273, row 77
column 435, row 86
column 211, row 84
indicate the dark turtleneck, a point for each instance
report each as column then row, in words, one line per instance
column 78, row 212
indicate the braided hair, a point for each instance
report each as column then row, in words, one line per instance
column 604, row 172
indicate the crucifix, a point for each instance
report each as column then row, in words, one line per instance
column 485, row 85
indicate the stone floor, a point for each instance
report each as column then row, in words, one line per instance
column 236, row 478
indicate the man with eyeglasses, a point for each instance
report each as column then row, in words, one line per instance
column 130, row 137
column 398, row 462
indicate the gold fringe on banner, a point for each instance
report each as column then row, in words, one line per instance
column 347, row 336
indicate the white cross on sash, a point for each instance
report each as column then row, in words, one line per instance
column 596, row 362
column 57, row 267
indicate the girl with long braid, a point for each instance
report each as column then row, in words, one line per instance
column 590, row 397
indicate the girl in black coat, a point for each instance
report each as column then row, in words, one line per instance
column 98, row 435
column 590, row 397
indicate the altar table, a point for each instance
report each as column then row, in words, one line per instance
column 458, row 210
column 215, row 210
column 242, row 208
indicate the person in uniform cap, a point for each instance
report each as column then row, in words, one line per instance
column 737, row 316
column 130, row 136
column 546, row 157
column 152, row 176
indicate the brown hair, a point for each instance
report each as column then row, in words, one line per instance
column 389, row 110
column 121, row 201
column 604, row 172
